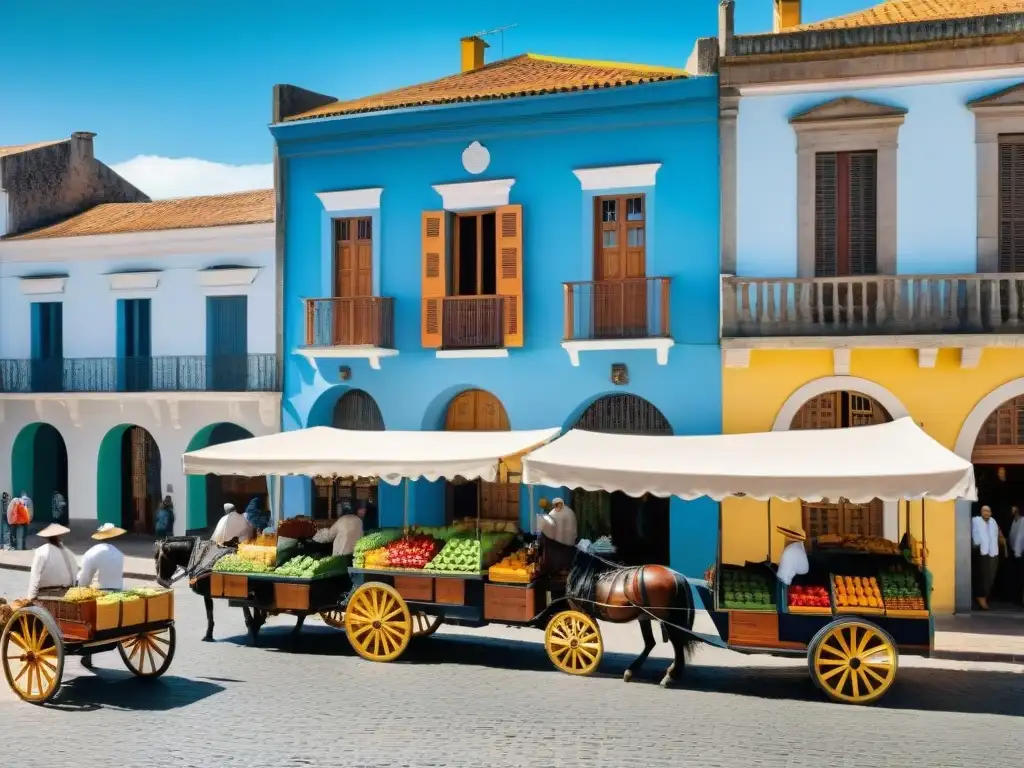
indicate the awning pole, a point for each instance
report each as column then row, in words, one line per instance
column 924, row 538
column 907, row 531
column 769, row 529
column 530, row 509
column 405, row 507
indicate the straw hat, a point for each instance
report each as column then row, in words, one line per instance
column 53, row 530
column 794, row 534
column 108, row 531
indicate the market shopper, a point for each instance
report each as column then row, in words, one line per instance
column 986, row 540
column 19, row 515
column 1016, row 547
column 52, row 564
column 345, row 532
column 793, row 561
column 559, row 523
column 255, row 514
column 104, row 563
column 165, row 518
column 232, row 527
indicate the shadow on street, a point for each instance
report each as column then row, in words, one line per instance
column 123, row 691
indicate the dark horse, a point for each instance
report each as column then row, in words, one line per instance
column 646, row 593
column 178, row 553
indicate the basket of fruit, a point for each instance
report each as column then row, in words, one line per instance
column 858, row 595
column 518, row 568
column 810, row 599
column 744, row 589
column 902, row 594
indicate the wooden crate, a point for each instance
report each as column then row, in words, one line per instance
column 133, row 612
column 236, row 586
column 291, row 597
column 216, row 584
column 108, row 616
column 509, row 603
column 755, row 630
column 450, row 591
column 160, row 607
column 418, row 588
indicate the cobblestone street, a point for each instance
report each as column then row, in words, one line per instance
column 459, row 701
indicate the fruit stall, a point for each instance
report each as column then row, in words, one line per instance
column 39, row 635
column 863, row 602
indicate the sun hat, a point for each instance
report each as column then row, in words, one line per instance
column 108, row 531
column 53, row 530
column 791, row 533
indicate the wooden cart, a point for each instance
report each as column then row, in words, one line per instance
column 37, row 638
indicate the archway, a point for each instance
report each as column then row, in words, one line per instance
column 832, row 410
column 207, row 495
column 476, row 410
column 639, row 527
column 39, row 465
column 128, row 486
column 357, row 410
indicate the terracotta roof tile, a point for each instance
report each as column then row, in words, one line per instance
column 905, row 11
column 525, row 75
column 15, row 149
column 185, row 213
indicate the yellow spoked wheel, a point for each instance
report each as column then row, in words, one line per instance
column 424, row 625
column 148, row 654
column 378, row 623
column 853, row 661
column 33, row 655
column 334, row 618
column 573, row 642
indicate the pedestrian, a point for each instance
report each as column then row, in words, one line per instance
column 258, row 519
column 59, row 508
column 103, row 563
column 165, row 519
column 986, row 539
column 344, row 533
column 19, row 516
column 232, row 527
column 1016, row 546
column 5, row 500
column 52, row 565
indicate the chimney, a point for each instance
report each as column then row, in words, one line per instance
column 473, row 53
column 787, row 15
column 726, row 26
column 81, row 145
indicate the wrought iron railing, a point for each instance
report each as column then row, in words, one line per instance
column 633, row 308
column 178, row 373
column 473, row 322
column 872, row 305
column 355, row 321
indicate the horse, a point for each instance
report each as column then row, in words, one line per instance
column 619, row 594
column 176, row 552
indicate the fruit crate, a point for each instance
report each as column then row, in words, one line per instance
column 133, row 612
column 892, row 607
column 725, row 576
column 851, row 610
column 160, row 607
column 809, row 610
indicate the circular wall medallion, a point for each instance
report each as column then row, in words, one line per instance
column 476, row 158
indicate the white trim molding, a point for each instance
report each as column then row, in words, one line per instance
column 881, row 81
column 826, row 384
column 134, row 281
column 617, row 176
column 477, row 354
column 475, row 194
column 219, row 277
column 352, row 352
column 38, row 286
column 661, row 346
column 351, row 199
column 986, row 407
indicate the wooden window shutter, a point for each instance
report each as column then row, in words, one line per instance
column 821, row 412
column 1011, row 203
column 435, row 275
column 863, row 213
column 510, row 270
column 826, row 224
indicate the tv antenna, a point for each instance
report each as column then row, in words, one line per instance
column 497, row 31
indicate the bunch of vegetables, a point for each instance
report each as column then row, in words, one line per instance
column 413, row 551
column 306, row 567
column 376, row 540
column 82, row 594
column 236, row 564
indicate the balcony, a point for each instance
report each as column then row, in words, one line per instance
column 618, row 314
column 825, row 312
column 473, row 326
column 190, row 373
column 352, row 327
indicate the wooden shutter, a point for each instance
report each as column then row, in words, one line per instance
column 862, row 225
column 821, row 412
column 435, row 275
column 826, row 236
column 510, row 270
column 1011, row 203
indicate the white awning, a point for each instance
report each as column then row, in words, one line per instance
column 892, row 461
column 391, row 456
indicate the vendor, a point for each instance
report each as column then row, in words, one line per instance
column 52, row 565
column 793, row 561
column 232, row 527
column 559, row 523
column 104, row 563
column 345, row 532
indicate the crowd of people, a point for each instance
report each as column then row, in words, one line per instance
column 997, row 539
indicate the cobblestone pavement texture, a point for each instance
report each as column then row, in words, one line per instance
column 467, row 702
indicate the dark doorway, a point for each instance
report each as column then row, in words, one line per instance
column 476, row 254
column 1001, row 487
column 355, row 410
column 140, row 480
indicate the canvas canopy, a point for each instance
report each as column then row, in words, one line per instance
column 391, row 456
column 890, row 461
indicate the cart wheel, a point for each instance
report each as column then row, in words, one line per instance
column 335, row 618
column 378, row 623
column 424, row 625
column 853, row 661
column 573, row 642
column 33, row 655
column 149, row 654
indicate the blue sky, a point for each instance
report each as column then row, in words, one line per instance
column 193, row 78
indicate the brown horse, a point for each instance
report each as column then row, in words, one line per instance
column 610, row 592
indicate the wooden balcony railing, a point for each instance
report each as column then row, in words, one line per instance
column 346, row 322
column 634, row 308
column 473, row 322
column 872, row 305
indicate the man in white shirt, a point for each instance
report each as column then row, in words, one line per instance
column 232, row 526
column 559, row 524
column 1016, row 545
column 52, row 565
column 345, row 532
column 104, row 563
column 985, row 538
column 793, row 561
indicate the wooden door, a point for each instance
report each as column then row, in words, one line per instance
column 353, row 281
column 619, row 293
column 476, row 411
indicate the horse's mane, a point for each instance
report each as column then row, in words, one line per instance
column 581, row 586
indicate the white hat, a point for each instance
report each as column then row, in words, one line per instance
column 108, row 531
column 229, row 507
column 557, row 500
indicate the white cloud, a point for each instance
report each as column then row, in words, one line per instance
column 165, row 177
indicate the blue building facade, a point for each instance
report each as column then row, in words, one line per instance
column 519, row 262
